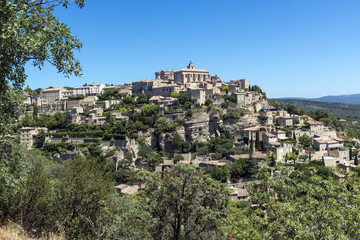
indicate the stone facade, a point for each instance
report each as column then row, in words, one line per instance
column 191, row 75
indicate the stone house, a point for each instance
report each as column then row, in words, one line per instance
column 27, row 135
column 118, row 116
column 281, row 135
column 269, row 140
column 165, row 90
column 243, row 99
column 165, row 75
column 94, row 120
column 160, row 100
column 316, row 127
column 285, row 121
column 142, row 86
column 197, row 94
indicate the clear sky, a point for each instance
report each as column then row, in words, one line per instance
column 302, row 48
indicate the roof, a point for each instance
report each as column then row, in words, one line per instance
column 130, row 190
column 185, row 162
column 168, row 162
column 52, row 89
column 269, row 134
column 251, row 128
column 217, row 163
column 167, row 85
column 192, row 70
column 314, row 123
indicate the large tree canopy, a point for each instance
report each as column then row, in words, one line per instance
column 29, row 32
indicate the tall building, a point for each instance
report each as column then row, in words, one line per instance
column 191, row 75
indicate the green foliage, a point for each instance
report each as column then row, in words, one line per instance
column 37, row 209
column 243, row 168
column 262, row 118
column 76, row 97
column 305, row 205
column 162, row 125
column 178, row 158
column 175, row 94
column 82, row 191
column 124, row 218
column 208, row 102
column 30, row 32
column 183, row 98
column 189, row 113
column 234, row 114
column 257, row 89
column 12, row 175
column 220, row 174
column 185, row 204
column 224, row 88
column 10, row 107
column 305, row 140
column 177, row 142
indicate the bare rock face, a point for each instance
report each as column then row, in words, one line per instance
column 199, row 128
column 181, row 131
column 151, row 139
column 236, row 127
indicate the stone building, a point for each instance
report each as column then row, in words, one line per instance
column 27, row 135
column 243, row 98
column 165, row 90
column 197, row 94
column 165, row 75
column 55, row 94
column 316, row 127
column 285, row 121
column 191, row 75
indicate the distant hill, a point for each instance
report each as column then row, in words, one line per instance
column 337, row 110
column 350, row 99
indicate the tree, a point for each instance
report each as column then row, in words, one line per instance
column 30, row 32
column 356, row 161
column 305, row 140
column 185, row 204
column 177, row 142
column 298, row 204
column 37, row 209
column 220, row 174
column 208, row 102
column 257, row 143
column 82, row 191
column 175, row 94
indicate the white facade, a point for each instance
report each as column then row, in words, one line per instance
column 91, row 89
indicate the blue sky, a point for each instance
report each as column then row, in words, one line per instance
column 302, row 48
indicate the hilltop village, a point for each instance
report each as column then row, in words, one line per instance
column 185, row 116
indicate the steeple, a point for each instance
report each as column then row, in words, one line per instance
column 191, row 66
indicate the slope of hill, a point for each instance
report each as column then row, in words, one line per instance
column 349, row 99
column 337, row 110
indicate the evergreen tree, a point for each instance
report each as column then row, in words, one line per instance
column 356, row 161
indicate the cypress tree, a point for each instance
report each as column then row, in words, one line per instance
column 258, row 145
column 356, row 161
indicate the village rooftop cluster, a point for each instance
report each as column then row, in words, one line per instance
column 273, row 128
